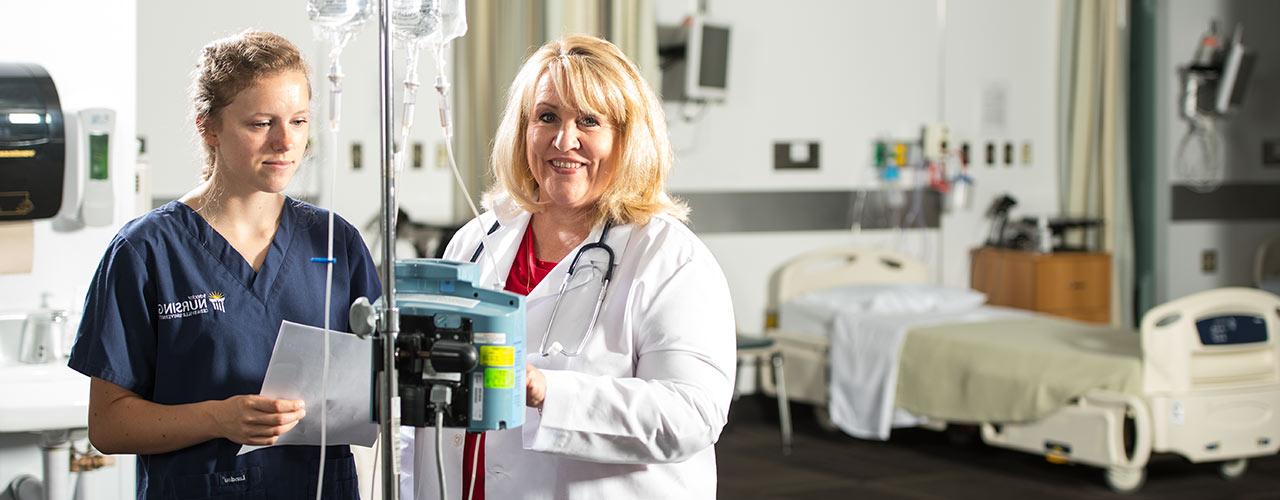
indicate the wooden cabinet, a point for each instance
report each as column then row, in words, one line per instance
column 1075, row 285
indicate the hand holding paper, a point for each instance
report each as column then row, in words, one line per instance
column 295, row 372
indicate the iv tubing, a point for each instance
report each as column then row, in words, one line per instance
column 440, row 453
column 410, row 103
column 475, row 465
column 335, row 100
column 446, row 124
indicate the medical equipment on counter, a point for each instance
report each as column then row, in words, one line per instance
column 43, row 335
column 998, row 215
column 32, row 143
column 1044, row 237
column 1212, row 84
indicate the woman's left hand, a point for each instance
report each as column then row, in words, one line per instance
column 535, row 386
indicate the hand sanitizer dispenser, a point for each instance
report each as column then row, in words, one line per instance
column 97, row 131
column 87, row 195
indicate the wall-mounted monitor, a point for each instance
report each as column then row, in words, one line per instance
column 708, row 56
column 695, row 60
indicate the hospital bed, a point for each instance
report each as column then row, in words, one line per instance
column 1201, row 379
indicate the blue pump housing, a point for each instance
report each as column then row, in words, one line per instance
column 441, row 297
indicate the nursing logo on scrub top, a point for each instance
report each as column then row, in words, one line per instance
column 218, row 300
column 193, row 305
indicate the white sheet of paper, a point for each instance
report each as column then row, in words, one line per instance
column 296, row 371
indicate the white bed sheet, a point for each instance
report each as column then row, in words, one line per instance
column 798, row 318
column 864, row 353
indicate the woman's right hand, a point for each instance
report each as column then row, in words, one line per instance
column 256, row 420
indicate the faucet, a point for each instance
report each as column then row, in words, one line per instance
column 42, row 335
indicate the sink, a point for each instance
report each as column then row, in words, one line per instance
column 45, row 397
column 37, row 397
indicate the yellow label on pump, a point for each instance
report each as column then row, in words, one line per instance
column 499, row 378
column 496, row 355
column 17, row 153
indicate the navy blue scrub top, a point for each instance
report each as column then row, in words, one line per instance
column 176, row 315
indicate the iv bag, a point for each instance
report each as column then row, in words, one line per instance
column 415, row 20
column 453, row 21
column 337, row 16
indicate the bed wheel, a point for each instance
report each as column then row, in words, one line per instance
column 1125, row 480
column 1233, row 469
column 823, row 415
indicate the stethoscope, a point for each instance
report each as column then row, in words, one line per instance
column 606, row 276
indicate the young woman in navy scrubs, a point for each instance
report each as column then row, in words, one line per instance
column 183, row 312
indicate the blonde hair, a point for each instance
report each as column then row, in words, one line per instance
column 229, row 65
column 592, row 75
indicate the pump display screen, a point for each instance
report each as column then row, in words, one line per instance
column 98, row 156
column 1232, row 329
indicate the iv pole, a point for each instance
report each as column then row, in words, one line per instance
column 389, row 401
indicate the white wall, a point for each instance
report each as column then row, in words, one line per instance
column 95, row 67
column 1180, row 244
column 846, row 73
column 168, row 51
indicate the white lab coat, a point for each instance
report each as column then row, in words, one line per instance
column 636, row 415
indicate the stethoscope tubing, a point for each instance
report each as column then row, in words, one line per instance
column 604, row 287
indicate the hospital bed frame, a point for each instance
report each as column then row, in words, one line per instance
column 1216, row 403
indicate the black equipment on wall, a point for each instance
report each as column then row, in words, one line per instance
column 32, row 143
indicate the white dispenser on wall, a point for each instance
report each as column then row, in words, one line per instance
column 87, row 195
column 97, row 131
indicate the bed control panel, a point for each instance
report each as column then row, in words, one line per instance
column 1232, row 330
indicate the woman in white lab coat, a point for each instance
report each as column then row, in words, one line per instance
column 631, row 404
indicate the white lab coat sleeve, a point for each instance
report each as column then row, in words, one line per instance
column 406, row 446
column 676, row 404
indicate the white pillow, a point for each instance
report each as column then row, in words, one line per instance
column 892, row 299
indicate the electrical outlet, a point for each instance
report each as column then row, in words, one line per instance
column 796, row 155
column 357, row 156
column 1271, row 152
column 1209, row 261
column 442, row 155
column 417, row 155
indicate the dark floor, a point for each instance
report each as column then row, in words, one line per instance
column 922, row 464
